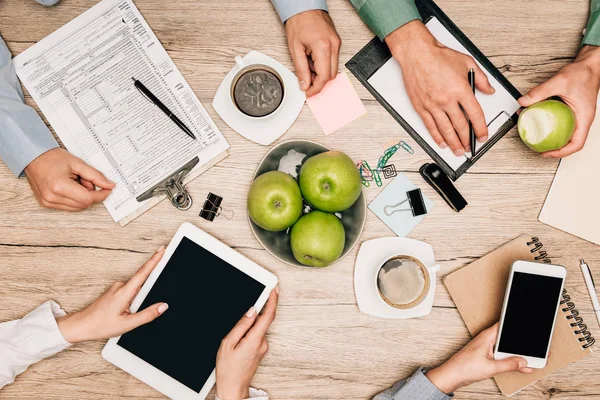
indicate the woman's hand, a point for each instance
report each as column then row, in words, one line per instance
column 109, row 315
column 473, row 363
column 242, row 351
column 577, row 85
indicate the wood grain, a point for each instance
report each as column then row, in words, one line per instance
column 321, row 346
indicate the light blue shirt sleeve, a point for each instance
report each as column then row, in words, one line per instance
column 23, row 134
column 417, row 387
column 288, row 8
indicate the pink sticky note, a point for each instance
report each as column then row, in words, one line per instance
column 336, row 105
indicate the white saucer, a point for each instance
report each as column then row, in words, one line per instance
column 262, row 130
column 372, row 254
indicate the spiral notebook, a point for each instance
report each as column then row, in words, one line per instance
column 478, row 292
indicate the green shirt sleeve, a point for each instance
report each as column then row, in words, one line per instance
column 385, row 16
column 592, row 31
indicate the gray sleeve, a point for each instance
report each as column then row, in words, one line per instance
column 23, row 134
column 288, row 8
column 417, row 387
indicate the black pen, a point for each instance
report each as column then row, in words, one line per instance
column 473, row 139
column 144, row 90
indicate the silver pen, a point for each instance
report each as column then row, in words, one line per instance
column 589, row 282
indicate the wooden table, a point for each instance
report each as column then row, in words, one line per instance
column 322, row 347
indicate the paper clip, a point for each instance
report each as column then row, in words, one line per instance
column 383, row 160
column 374, row 173
column 364, row 179
column 406, row 147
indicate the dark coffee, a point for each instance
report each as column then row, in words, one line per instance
column 258, row 92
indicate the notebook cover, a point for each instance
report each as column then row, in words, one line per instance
column 575, row 193
column 478, row 292
column 376, row 53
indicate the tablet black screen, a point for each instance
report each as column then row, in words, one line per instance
column 206, row 297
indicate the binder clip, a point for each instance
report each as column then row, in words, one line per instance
column 415, row 200
column 212, row 208
column 173, row 187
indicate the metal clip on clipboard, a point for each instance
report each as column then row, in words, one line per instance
column 173, row 187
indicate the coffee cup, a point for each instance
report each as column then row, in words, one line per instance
column 256, row 90
column 403, row 281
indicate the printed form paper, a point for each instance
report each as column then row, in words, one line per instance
column 497, row 107
column 81, row 78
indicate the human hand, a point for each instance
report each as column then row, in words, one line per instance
column 473, row 363
column 242, row 350
column 315, row 47
column 109, row 315
column 436, row 80
column 62, row 181
column 577, row 85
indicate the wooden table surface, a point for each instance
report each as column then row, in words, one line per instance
column 322, row 347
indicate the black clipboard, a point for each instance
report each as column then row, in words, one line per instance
column 376, row 53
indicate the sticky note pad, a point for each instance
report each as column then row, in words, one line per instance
column 401, row 222
column 336, row 105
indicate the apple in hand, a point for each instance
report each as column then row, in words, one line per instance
column 547, row 125
column 274, row 201
column 330, row 181
column 318, row 239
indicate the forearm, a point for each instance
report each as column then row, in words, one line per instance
column 23, row 134
column 288, row 8
column 385, row 16
column 28, row 340
column 417, row 387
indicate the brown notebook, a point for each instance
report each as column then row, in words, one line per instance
column 478, row 292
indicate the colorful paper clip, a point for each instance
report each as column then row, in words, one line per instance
column 406, row 147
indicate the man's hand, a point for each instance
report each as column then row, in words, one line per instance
column 242, row 351
column 436, row 79
column 315, row 47
column 473, row 363
column 62, row 181
column 577, row 85
column 109, row 315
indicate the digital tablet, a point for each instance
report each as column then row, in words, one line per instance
column 208, row 287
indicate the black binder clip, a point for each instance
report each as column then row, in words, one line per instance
column 173, row 187
column 212, row 208
column 415, row 200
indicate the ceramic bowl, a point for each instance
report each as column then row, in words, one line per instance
column 278, row 243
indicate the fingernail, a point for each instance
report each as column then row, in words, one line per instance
column 277, row 289
column 303, row 86
column 250, row 313
column 459, row 152
column 443, row 145
column 482, row 139
column 161, row 248
column 468, row 149
column 522, row 363
column 162, row 308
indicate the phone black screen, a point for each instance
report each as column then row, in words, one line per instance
column 206, row 297
column 530, row 314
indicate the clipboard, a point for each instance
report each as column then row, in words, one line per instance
column 375, row 57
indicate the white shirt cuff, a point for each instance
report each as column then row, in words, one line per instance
column 255, row 394
column 28, row 340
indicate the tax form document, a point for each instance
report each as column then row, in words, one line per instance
column 81, row 78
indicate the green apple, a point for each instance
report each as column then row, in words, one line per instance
column 274, row 201
column 318, row 239
column 547, row 125
column 330, row 181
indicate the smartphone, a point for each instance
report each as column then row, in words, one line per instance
column 531, row 303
